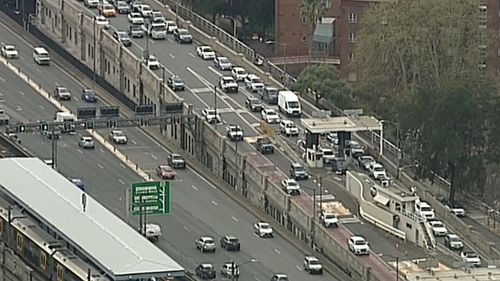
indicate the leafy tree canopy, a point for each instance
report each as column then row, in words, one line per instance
column 325, row 80
column 455, row 134
column 312, row 11
column 406, row 45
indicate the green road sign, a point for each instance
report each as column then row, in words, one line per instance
column 150, row 198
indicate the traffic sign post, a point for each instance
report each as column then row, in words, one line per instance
column 150, row 198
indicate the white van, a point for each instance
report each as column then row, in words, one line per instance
column 289, row 103
column 67, row 119
column 41, row 56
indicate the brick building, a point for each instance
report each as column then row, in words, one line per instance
column 293, row 35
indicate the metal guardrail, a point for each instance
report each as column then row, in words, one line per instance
column 303, row 59
column 396, row 232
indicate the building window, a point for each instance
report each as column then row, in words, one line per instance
column 304, row 39
column 352, row 37
column 383, row 20
column 353, row 18
column 352, row 77
column 351, row 56
column 327, row 3
column 303, row 20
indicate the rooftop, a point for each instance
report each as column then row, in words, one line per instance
column 96, row 232
column 341, row 124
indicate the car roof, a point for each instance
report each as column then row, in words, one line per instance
column 236, row 68
column 164, row 166
column 357, row 238
column 230, row 237
column 311, row 258
column 206, row 238
column 452, row 235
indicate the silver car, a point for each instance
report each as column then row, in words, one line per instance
column 86, row 143
column 205, row 244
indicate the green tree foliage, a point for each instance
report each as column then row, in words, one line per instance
column 210, row 7
column 312, row 11
column 324, row 79
column 454, row 134
column 406, row 44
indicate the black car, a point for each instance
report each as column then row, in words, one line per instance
column 89, row 95
column 230, row 243
column 298, row 172
column 264, row 146
column 254, row 104
column 122, row 37
column 183, row 36
column 206, row 271
column 135, row 31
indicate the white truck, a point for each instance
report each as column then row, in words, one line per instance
column 289, row 103
column 67, row 119
column 157, row 30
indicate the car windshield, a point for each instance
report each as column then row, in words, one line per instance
column 135, row 27
column 223, row 60
column 183, row 32
column 292, row 184
column 209, row 241
column 165, row 168
column 241, row 72
column 146, row 8
column 360, row 242
column 207, row 266
column 329, row 216
column 271, row 112
column 328, row 152
column 454, row 239
column 159, row 27
column 122, row 35
column 425, row 209
column 63, row 90
column 233, row 240
column 294, row 104
column 471, row 255
column 314, row 262
column 227, row 80
column 10, row 48
column 118, row 134
column 437, row 224
column 206, row 50
column 298, row 168
column 122, row 4
column 87, row 139
column 378, row 169
column 210, row 111
column 177, row 80
column 256, row 80
column 176, row 157
column 264, row 226
column 108, row 7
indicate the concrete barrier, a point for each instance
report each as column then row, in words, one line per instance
column 249, row 175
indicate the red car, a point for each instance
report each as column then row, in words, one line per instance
column 166, row 172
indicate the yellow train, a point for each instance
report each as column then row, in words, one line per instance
column 51, row 257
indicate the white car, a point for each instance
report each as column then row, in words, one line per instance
column 424, row 210
column 152, row 62
column 239, row 73
column 145, row 10
column 228, row 84
column 329, row 219
column 234, row 133
column 312, row 265
column 91, row 3
column 135, row 18
column 438, row 228
column 223, row 63
column 205, row 244
column 253, row 83
column 358, row 245
column 211, row 116
column 171, row 26
column 470, row 258
column 457, row 211
column 263, row 229
column 364, row 161
column 377, row 171
column 205, row 52
column 10, row 52
column 102, row 21
column 118, row 137
column 288, row 128
column 152, row 231
column 270, row 115
column 290, row 186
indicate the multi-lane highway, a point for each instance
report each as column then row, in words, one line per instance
column 200, row 76
column 199, row 208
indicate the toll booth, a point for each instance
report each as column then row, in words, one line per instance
column 344, row 126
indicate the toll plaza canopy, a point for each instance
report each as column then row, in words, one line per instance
column 340, row 124
column 107, row 241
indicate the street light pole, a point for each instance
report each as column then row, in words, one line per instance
column 93, row 55
column 215, row 105
column 313, row 228
column 234, row 29
column 176, row 12
column 162, row 89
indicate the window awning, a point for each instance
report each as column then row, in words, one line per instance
column 324, row 31
column 379, row 198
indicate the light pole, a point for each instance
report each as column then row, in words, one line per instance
column 162, row 89
column 234, row 29
column 215, row 105
column 319, row 182
column 234, row 267
column 313, row 228
column 93, row 55
column 397, row 264
column 176, row 12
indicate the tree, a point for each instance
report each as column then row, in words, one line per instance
column 312, row 11
column 453, row 131
column 324, row 79
column 405, row 45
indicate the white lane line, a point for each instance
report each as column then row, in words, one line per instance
column 194, row 187
column 277, row 252
column 191, row 54
column 22, row 93
column 41, row 107
column 1, row 94
column 76, row 98
column 215, row 203
column 257, row 278
column 123, row 166
column 18, row 108
column 2, row 79
column 39, row 70
column 186, row 228
column 101, row 150
column 57, row 84
column 134, row 142
column 121, row 181
column 154, row 157
column 170, row 40
column 172, row 56
column 298, row 267
column 235, row 219
column 100, row 166
column 79, row 151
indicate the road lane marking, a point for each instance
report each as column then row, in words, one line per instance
column 76, row 98
column 186, row 228
column 79, row 150
column 101, row 150
column 39, row 70
column 18, row 108
column 170, row 40
column 57, row 84
column 121, row 181
column 202, row 90
column 257, row 278
column 2, row 79
column 215, row 203
column 123, row 166
column 172, row 56
column 100, row 166
column 194, row 187
column 277, row 251
column 41, row 107
column 22, row 93
column 298, row 267
column 235, row 219
column 191, row 55
column 154, row 157
column 134, row 142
